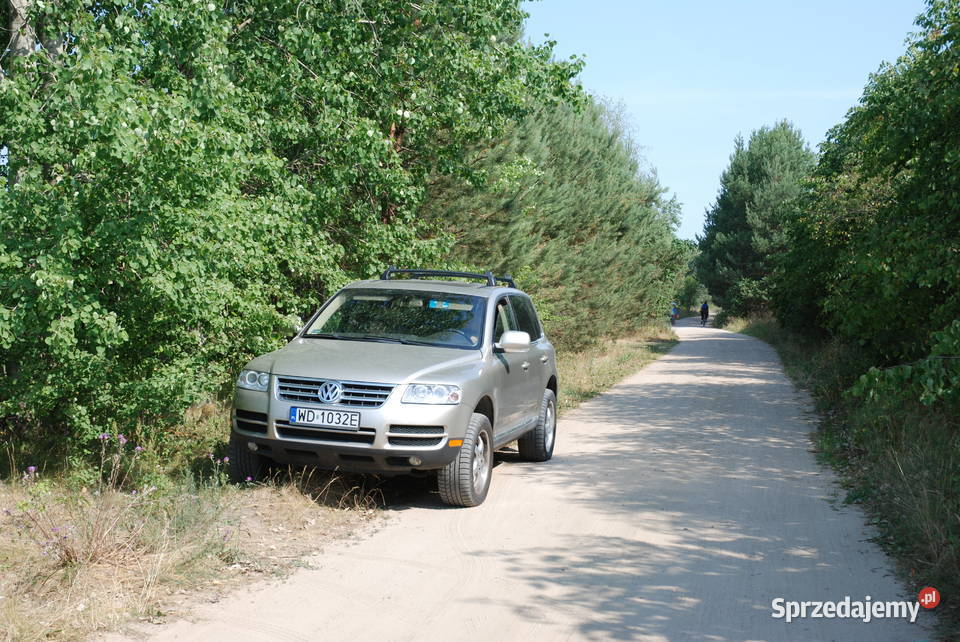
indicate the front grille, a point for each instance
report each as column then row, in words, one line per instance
column 252, row 421
column 355, row 393
column 422, row 436
column 362, row 436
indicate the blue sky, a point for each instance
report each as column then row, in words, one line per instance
column 692, row 74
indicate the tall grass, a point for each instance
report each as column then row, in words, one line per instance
column 900, row 459
column 78, row 557
column 86, row 557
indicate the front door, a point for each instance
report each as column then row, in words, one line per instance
column 513, row 369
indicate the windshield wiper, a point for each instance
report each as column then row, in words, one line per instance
column 414, row 342
column 352, row 337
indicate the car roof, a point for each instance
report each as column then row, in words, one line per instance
column 435, row 285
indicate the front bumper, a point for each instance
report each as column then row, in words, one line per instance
column 388, row 437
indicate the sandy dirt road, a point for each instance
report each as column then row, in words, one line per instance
column 677, row 506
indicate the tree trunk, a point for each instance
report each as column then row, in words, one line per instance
column 22, row 36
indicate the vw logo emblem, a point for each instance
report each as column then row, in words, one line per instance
column 329, row 392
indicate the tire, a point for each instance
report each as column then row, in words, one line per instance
column 245, row 465
column 537, row 445
column 466, row 480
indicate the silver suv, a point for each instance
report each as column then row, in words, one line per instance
column 400, row 375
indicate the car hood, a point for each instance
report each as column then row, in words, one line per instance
column 371, row 361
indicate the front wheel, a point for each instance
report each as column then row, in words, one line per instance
column 245, row 465
column 537, row 445
column 466, row 480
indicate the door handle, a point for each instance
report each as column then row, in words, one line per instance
column 525, row 365
column 544, row 359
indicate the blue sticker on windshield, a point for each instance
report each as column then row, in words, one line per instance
column 439, row 304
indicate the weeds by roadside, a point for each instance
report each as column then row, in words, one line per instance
column 900, row 460
column 75, row 559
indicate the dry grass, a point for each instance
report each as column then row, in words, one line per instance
column 586, row 374
column 153, row 552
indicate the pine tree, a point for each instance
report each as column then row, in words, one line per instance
column 745, row 228
column 567, row 209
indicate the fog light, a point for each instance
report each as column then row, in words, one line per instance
column 415, row 461
column 252, row 446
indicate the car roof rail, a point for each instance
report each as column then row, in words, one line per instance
column 417, row 274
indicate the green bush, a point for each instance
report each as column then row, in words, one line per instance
column 184, row 179
column 932, row 381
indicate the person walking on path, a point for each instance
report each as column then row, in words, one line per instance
column 704, row 313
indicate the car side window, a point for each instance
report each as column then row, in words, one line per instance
column 503, row 321
column 526, row 316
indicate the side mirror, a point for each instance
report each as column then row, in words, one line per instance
column 514, row 341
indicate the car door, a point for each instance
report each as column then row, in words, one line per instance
column 513, row 369
column 540, row 355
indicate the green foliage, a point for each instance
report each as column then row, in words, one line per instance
column 879, row 239
column 567, row 209
column 691, row 292
column 184, row 179
column 933, row 380
column 744, row 230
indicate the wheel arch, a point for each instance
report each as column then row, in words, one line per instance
column 485, row 407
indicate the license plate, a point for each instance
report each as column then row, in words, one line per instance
column 341, row 419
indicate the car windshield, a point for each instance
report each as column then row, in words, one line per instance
column 402, row 316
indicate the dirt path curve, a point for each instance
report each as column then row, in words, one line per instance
column 677, row 506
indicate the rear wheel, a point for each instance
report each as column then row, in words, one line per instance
column 537, row 445
column 245, row 465
column 466, row 480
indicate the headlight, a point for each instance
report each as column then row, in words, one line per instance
column 432, row 393
column 253, row 380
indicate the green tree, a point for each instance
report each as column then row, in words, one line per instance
column 875, row 240
column 744, row 230
column 568, row 210
column 184, row 178
column 691, row 292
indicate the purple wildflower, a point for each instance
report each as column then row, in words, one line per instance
column 103, row 436
column 31, row 469
column 138, row 449
column 226, row 459
column 249, row 478
column 121, row 439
